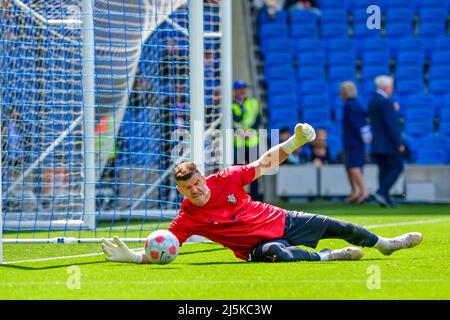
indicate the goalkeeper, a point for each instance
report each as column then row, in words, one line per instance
column 218, row 208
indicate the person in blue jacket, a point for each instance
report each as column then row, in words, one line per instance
column 354, row 136
column 387, row 144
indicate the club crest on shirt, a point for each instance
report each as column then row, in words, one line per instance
column 232, row 199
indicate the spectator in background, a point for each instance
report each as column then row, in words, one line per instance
column 303, row 5
column 320, row 154
column 355, row 135
column 387, row 145
column 246, row 121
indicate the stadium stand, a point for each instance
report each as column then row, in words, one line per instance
column 319, row 52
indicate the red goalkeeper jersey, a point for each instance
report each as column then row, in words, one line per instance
column 230, row 217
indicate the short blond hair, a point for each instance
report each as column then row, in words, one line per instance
column 383, row 81
column 348, row 90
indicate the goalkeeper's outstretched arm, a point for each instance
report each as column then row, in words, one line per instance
column 269, row 162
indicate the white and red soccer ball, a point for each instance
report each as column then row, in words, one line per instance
column 161, row 247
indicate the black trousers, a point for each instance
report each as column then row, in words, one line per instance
column 390, row 167
column 307, row 229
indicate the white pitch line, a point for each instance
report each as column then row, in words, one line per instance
column 407, row 223
column 368, row 227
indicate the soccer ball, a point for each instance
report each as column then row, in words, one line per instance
column 161, row 247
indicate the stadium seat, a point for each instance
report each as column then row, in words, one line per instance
column 397, row 30
column 444, row 129
column 334, row 30
column 439, row 87
column 277, row 58
column 445, row 115
column 441, row 44
column 360, row 31
column 341, row 73
column 408, row 87
column 281, row 87
column 439, row 72
column 400, row 15
column 407, row 44
column 287, row 99
column 399, row 4
column 381, row 59
column 417, row 115
column 312, row 87
column 409, row 72
column 436, row 4
column 314, row 101
column 308, row 45
column 316, row 115
column 432, row 29
column 375, row 45
column 334, row 143
column 282, row 72
column 333, row 4
column 342, row 58
column 273, row 31
column 408, row 58
column 370, row 72
column 306, row 59
column 340, row 45
column 305, row 31
column 278, row 45
column 299, row 17
column 359, row 15
column 440, row 58
column 427, row 155
column 311, row 72
column 416, row 130
column 433, row 15
column 334, row 16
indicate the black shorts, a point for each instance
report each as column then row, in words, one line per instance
column 304, row 228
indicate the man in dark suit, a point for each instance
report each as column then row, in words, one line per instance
column 387, row 145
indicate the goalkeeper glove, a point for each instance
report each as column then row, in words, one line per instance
column 303, row 133
column 119, row 252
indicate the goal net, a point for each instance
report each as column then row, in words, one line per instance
column 95, row 113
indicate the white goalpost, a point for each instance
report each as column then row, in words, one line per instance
column 93, row 97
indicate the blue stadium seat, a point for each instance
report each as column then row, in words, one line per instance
column 277, row 114
column 441, row 44
column 312, row 87
column 360, row 31
column 408, row 72
column 273, row 31
column 431, row 29
column 400, row 15
column 440, row 58
column 360, row 15
column 311, row 72
column 316, row 115
column 342, row 58
column 334, row 143
column 282, row 72
column 305, row 32
column 415, row 130
column 439, row 72
column 341, row 73
column 308, row 45
column 370, row 72
column 375, row 45
column 277, row 58
column 437, row 4
column 409, row 87
column 368, row 88
column 409, row 58
column 288, row 100
column 333, row 4
column 278, row 45
column 419, row 101
column 433, row 15
column 340, row 45
column 439, row 87
column 334, row 16
column 334, row 30
column 299, row 17
column 281, row 87
column 400, row 4
column 381, row 59
column 445, row 115
column 427, row 155
column 444, row 129
column 418, row 115
column 305, row 59
column 315, row 101
column 407, row 44
column 396, row 30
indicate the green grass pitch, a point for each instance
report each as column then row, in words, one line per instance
column 208, row 271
